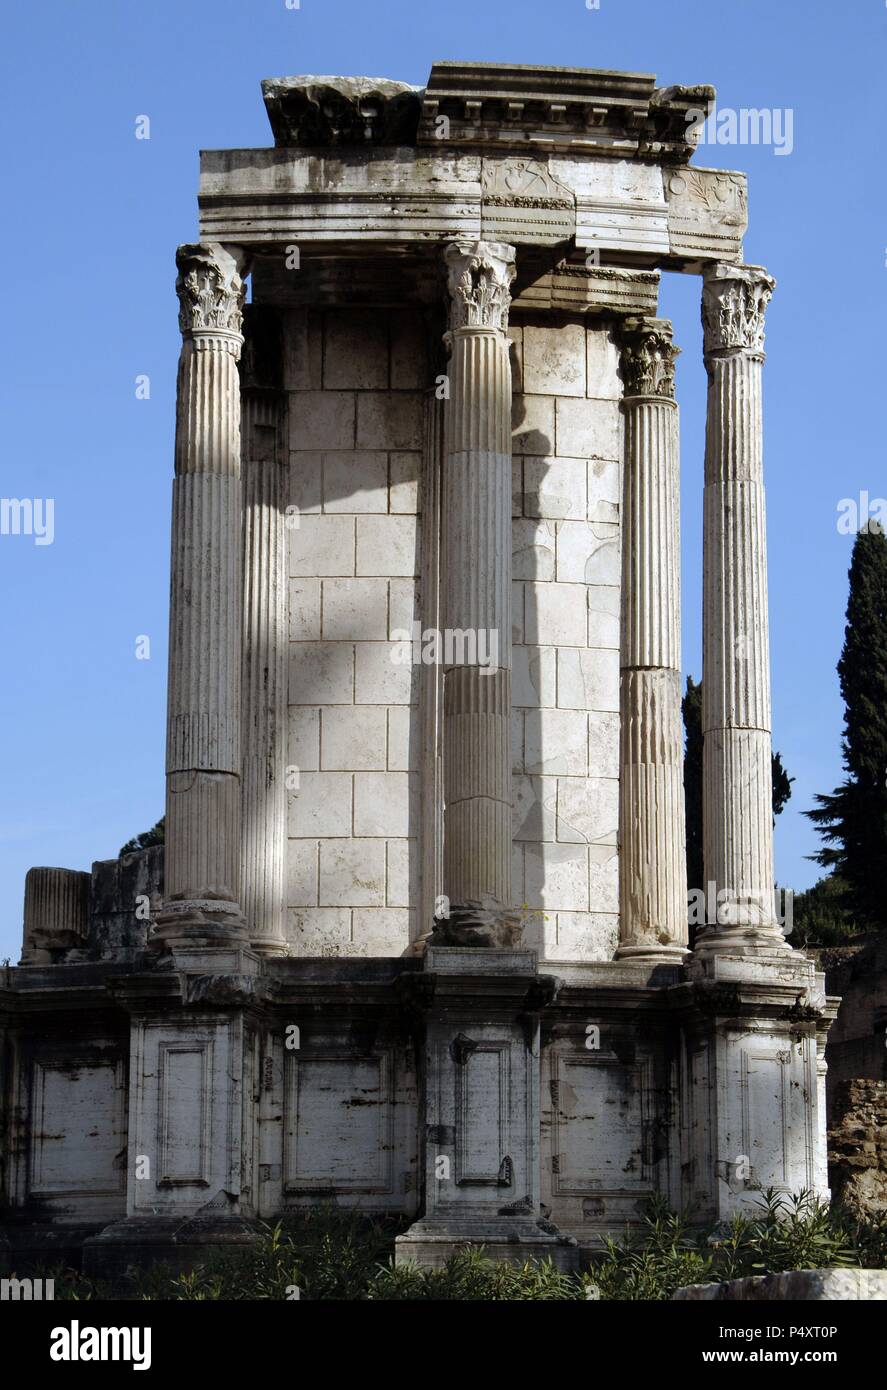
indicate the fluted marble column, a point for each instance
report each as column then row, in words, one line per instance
column 56, row 917
column 263, row 832
column 476, row 592
column 202, row 861
column 737, row 781
column 652, row 839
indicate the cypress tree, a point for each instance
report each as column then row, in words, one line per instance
column 691, row 709
column 852, row 819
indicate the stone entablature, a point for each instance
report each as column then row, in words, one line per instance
column 412, row 198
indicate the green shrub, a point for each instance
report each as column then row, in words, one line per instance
column 791, row 1232
column 468, row 1276
column 329, row 1254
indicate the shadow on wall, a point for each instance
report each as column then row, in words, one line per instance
column 565, row 828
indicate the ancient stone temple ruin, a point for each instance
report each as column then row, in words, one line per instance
column 417, row 940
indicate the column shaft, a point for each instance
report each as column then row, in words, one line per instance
column 263, row 802
column 737, row 782
column 652, row 841
column 476, row 591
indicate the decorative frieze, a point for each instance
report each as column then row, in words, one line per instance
column 574, row 287
column 521, row 199
column 707, row 212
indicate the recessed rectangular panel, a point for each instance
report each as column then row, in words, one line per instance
column 482, row 1114
column 339, row 1118
column 185, row 1112
column 599, row 1134
column 776, row 1135
column 78, row 1128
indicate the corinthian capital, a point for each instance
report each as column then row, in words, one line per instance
column 734, row 300
column 210, row 290
column 647, row 358
column 479, row 281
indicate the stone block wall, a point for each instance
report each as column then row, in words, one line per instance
column 356, row 381
column 567, row 442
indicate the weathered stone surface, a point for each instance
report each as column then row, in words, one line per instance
column 341, row 110
column 56, row 914
column 857, row 1145
column 802, row 1285
column 707, row 208
column 858, row 974
column 581, row 109
column 653, row 912
column 203, row 761
column 738, row 823
column 476, row 598
column 125, row 897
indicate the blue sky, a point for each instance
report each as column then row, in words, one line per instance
column 91, row 220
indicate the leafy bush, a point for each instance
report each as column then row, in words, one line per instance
column 791, row 1232
column 469, row 1277
column 327, row 1253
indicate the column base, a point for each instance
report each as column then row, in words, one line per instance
column 485, row 923
column 136, row 1243
column 670, row 954
column 269, row 946
column 742, row 941
column 430, row 1243
column 200, row 922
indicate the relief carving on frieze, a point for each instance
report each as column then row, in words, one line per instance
column 522, row 202
column 707, row 211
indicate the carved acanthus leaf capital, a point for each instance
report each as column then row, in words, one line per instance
column 210, row 289
column 734, row 302
column 647, row 358
column 479, row 281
